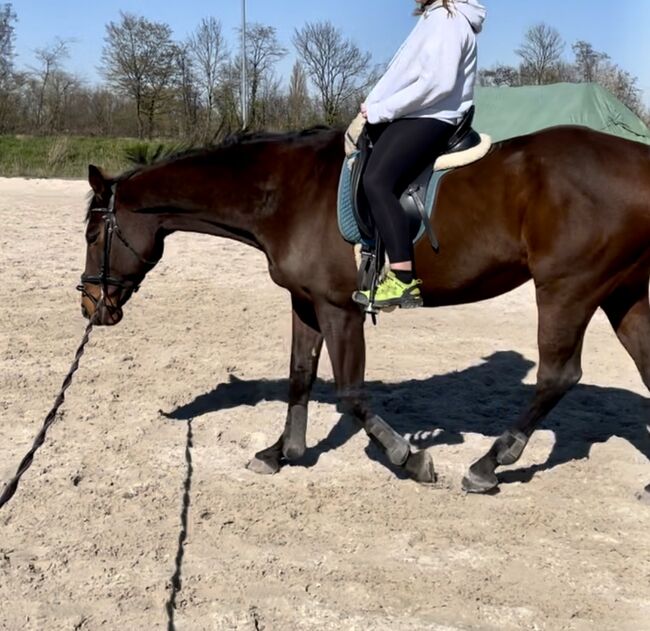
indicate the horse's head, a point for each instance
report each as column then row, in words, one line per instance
column 122, row 246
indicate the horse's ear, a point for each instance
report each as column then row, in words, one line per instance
column 97, row 180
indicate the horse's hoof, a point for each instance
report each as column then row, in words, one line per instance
column 263, row 466
column 419, row 466
column 644, row 496
column 475, row 483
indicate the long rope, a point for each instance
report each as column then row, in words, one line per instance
column 26, row 463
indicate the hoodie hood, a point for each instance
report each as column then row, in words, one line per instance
column 474, row 11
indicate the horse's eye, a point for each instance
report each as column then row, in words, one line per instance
column 91, row 238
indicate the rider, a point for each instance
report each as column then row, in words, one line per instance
column 411, row 115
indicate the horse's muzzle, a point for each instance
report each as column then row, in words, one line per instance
column 104, row 316
column 103, row 313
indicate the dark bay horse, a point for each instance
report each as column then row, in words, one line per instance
column 567, row 207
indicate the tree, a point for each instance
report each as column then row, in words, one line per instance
column 622, row 85
column 298, row 103
column 139, row 60
column 263, row 51
column 588, row 62
column 336, row 65
column 594, row 66
column 187, row 91
column 541, row 53
column 209, row 52
column 228, row 98
column 7, row 20
column 49, row 71
column 499, row 75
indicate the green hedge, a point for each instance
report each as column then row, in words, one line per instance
column 65, row 156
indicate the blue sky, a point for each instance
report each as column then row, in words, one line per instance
column 620, row 28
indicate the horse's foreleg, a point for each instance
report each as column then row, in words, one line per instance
column 560, row 334
column 306, row 345
column 344, row 336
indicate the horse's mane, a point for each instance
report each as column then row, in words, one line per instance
column 142, row 156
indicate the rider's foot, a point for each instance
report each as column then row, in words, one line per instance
column 392, row 292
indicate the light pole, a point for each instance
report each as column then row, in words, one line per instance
column 244, row 95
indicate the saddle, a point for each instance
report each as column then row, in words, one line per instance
column 419, row 197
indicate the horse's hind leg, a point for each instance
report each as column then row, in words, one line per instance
column 306, row 345
column 628, row 310
column 561, row 331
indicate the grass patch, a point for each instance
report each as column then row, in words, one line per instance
column 65, row 156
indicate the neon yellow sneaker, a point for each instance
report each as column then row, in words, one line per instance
column 392, row 292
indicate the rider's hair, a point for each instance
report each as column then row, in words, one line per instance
column 423, row 4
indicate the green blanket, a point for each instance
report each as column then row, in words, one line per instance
column 508, row 112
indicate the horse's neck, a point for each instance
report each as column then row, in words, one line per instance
column 186, row 204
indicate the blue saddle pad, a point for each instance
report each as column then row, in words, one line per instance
column 346, row 218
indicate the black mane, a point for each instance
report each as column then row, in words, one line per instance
column 143, row 158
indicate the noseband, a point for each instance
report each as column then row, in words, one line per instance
column 105, row 279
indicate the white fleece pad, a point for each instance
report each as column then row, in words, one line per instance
column 462, row 158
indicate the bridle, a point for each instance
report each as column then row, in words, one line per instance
column 105, row 279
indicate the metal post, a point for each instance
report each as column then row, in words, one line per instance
column 244, row 81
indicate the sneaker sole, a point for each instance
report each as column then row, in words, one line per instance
column 411, row 302
column 402, row 303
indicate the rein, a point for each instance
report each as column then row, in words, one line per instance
column 26, row 462
column 105, row 280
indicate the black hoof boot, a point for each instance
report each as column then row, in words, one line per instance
column 396, row 447
column 419, row 466
column 480, row 479
column 509, row 446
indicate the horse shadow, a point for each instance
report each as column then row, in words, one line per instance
column 484, row 399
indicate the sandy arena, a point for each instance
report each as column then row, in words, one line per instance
column 91, row 540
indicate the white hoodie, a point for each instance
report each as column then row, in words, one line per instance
column 432, row 75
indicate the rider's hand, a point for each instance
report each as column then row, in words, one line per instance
column 364, row 111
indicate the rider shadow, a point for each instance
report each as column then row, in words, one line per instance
column 484, row 399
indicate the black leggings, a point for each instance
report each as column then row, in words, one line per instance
column 402, row 149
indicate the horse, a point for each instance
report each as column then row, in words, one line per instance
column 567, row 207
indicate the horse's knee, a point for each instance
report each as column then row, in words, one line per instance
column 559, row 380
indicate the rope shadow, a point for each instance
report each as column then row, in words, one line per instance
column 176, row 579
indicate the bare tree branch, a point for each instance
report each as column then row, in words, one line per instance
column 138, row 60
column 541, row 52
column 209, row 51
column 335, row 65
